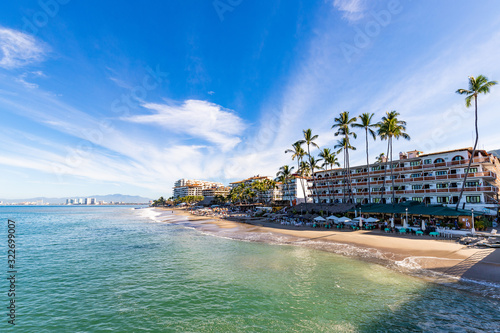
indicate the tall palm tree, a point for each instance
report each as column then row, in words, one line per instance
column 343, row 145
column 479, row 85
column 283, row 175
column 388, row 128
column 365, row 122
column 299, row 153
column 343, row 124
column 314, row 164
column 309, row 141
column 329, row 160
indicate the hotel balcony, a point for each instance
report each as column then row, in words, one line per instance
column 485, row 174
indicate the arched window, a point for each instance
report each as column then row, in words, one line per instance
column 458, row 158
column 439, row 160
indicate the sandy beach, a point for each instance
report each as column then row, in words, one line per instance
column 436, row 260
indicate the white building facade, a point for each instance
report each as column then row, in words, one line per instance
column 296, row 190
column 435, row 178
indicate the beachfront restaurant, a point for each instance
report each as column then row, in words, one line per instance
column 415, row 213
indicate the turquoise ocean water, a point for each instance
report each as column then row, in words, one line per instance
column 115, row 269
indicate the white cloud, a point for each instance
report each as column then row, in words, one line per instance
column 196, row 118
column 18, row 49
column 353, row 10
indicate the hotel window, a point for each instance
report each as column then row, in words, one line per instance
column 416, row 187
column 427, row 161
column 472, row 184
column 441, row 173
column 415, row 175
column 473, row 199
column 415, row 163
column 442, row 185
column 457, row 158
column 443, row 199
column 472, row 170
column 419, row 199
column 438, row 160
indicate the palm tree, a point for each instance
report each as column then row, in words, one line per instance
column 388, row 128
column 343, row 145
column 283, row 176
column 309, row 141
column 329, row 160
column 314, row 164
column 343, row 124
column 299, row 153
column 365, row 121
column 479, row 85
column 380, row 158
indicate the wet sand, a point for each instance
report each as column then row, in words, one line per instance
column 444, row 261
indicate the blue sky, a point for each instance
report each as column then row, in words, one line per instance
column 97, row 98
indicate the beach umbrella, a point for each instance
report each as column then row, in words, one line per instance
column 423, row 225
column 392, row 222
column 332, row 217
column 360, row 222
column 405, row 225
column 370, row 220
column 319, row 218
column 344, row 219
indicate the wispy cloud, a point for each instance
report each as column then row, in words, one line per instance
column 352, row 10
column 196, row 118
column 18, row 49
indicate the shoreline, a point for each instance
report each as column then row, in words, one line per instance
column 445, row 262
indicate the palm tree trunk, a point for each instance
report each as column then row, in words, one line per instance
column 302, row 183
column 329, row 189
column 368, row 167
column 392, row 179
column 471, row 158
column 345, row 170
column 385, row 173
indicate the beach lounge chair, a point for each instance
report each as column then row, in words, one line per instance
column 402, row 231
column 419, row 232
column 387, row 230
column 434, row 233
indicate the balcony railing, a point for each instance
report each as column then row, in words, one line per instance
column 476, row 160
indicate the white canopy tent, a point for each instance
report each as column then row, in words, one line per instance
column 370, row 220
column 344, row 219
column 319, row 219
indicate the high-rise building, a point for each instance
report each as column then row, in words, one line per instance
column 192, row 187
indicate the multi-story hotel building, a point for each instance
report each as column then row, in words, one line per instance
column 295, row 190
column 216, row 190
column 273, row 194
column 193, row 187
column 434, row 178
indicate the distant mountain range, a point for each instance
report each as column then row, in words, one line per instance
column 108, row 198
column 495, row 152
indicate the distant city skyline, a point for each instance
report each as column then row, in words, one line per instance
column 97, row 98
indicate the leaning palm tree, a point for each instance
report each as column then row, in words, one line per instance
column 343, row 123
column 299, row 153
column 309, row 141
column 391, row 127
column 344, row 145
column 329, row 160
column 479, row 85
column 365, row 122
